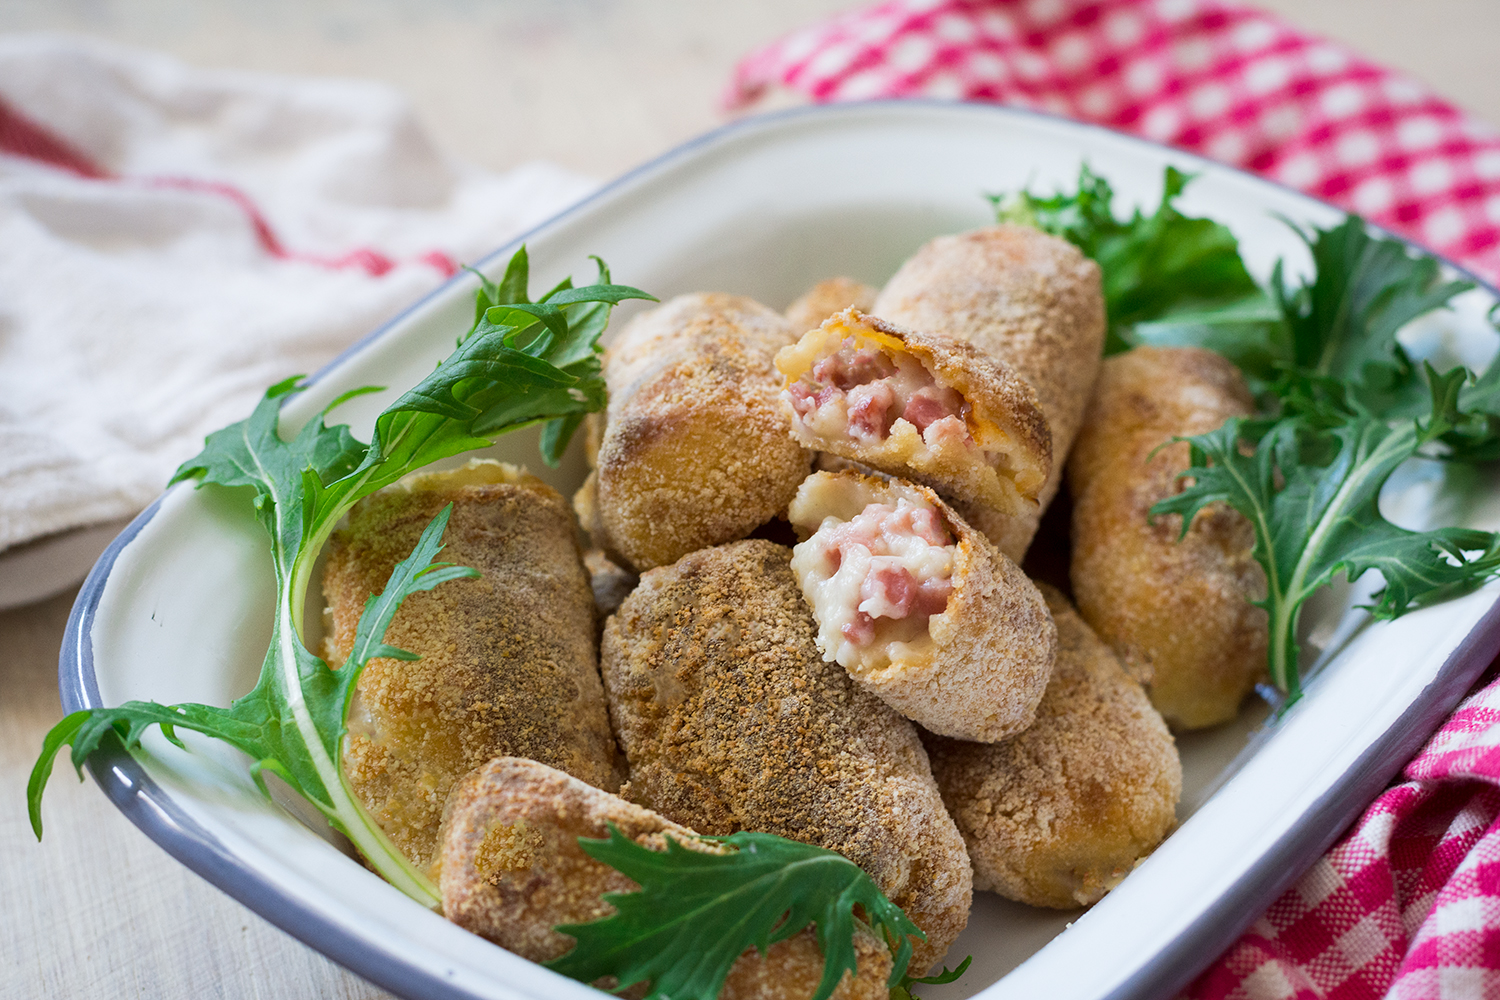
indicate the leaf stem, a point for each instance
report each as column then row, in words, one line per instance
column 1299, row 588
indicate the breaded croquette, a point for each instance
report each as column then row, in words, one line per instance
column 826, row 298
column 1058, row 815
column 1033, row 301
column 919, row 608
column 508, row 663
column 511, row 870
column 930, row 409
column 695, row 450
column 732, row 721
column 1178, row 613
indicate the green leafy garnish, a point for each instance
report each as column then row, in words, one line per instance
column 1342, row 403
column 696, row 913
column 1476, row 439
column 522, row 363
column 902, row 990
column 1168, row 279
column 1339, row 348
column 1314, row 519
column 1173, row 281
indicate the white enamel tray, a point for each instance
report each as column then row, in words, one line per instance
column 178, row 608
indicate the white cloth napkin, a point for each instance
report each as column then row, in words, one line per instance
column 138, row 314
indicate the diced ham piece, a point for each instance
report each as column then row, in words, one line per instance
column 850, row 366
column 869, row 406
column 860, row 630
column 932, row 597
column 930, row 404
column 889, row 591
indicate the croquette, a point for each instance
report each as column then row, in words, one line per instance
column 1178, row 613
column 511, row 870
column 694, row 449
column 507, row 661
column 732, row 721
column 930, row 409
column 919, row 608
column 1058, row 815
column 1032, row 300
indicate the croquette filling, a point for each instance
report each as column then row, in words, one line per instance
column 860, row 392
column 876, row 579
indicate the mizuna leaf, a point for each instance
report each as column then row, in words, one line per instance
column 696, row 913
column 1476, row 437
column 902, row 990
column 1315, row 520
column 1165, row 269
column 1342, row 324
column 539, row 365
column 417, row 572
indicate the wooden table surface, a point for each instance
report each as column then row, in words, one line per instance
column 98, row 911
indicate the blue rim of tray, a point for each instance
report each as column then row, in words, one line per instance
column 125, row 782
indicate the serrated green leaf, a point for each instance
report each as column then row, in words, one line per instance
column 1314, row 521
column 556, row 434
column 1364, row 290
column 902, row 990
column 1342, row 352
column 1182, row 275
column 502, row 376
column 1323, row 357
column 416, row 573
column 696, row 913
column 1242, row 330
column 1475, row 437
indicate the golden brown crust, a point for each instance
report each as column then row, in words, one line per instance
column 1003, row 416
column 828, row 297
column 1031, row 300
column 1177, row 613
column 1060, row 814
column 993, row 647
column 507, row 666
column 732, row 721
column 512, row 869
column 696, row 450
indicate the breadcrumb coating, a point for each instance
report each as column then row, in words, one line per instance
column 696, row 450
column 828, row 297
column 1009, row 452
column 980, row 670
column 1177, row 613
column 508, row 663
column 1033, row 301
column 732, row 721
column 511, row 870
column 1058, row 815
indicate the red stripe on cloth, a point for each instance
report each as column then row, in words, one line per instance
column 263, row 232
column 22, row 137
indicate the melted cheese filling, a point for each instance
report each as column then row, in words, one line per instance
column 860, row 393
column 875, row 580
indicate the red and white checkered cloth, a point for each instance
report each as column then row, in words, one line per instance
column 1220, row 79
column 1408, row 904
